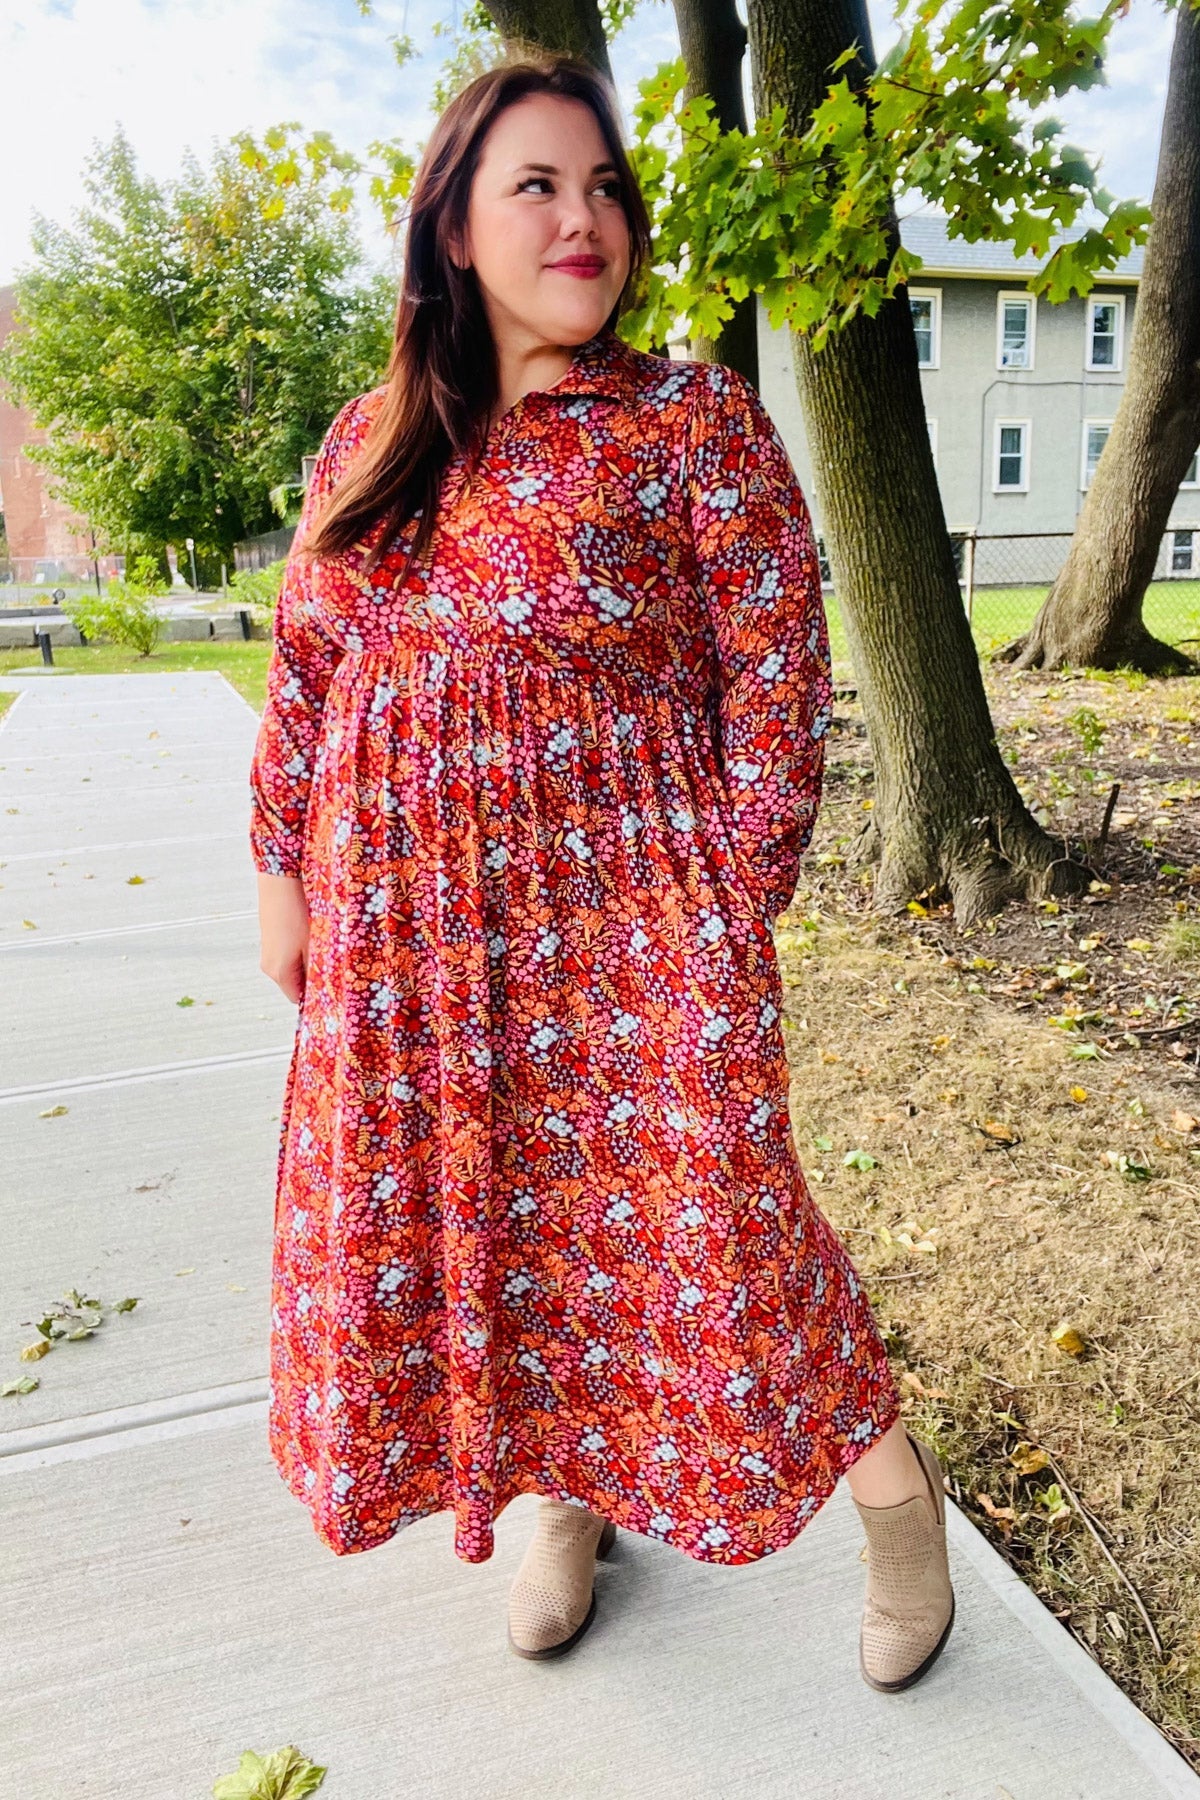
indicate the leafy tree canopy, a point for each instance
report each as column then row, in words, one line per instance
column 188, row 342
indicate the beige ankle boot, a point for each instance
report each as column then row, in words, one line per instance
column 553, row 1599
column 909, row 1606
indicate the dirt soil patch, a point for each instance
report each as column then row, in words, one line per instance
column 1002, row 1124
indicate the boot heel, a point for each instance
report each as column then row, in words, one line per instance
column 608, row 1538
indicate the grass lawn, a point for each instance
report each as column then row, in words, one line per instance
column 242, row 661
column 1171, row 612
column 1020, row 1107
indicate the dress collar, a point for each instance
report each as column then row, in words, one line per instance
column 603, row 364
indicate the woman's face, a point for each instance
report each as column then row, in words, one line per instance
column 546, row 231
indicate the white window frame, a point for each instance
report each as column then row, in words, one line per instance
column 1084, row 484
column 935, row 323
column 1004, row 297
column 1114, row 367
column 931, row 428
column 1192, row 567
column 1194, row 464
column 1011, row 487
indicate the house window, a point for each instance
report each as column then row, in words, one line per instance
column 1106, row 320
column 1095, row 436
column 931, row 428
column 1183, row 547
column 926, row 317
column 1011, row 473
column 1014, row 324
column 1191, row 479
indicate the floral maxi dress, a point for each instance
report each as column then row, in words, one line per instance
column 540, row 1224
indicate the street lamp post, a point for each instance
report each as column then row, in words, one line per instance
column 191, row 550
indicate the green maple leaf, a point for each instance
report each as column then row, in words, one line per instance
column 282, row 1775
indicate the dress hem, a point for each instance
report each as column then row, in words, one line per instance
column 801, row 1514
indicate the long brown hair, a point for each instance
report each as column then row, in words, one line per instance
column 442, row 378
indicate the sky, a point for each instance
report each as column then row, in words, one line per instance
column 180, row 73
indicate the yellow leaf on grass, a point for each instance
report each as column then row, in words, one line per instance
column 1079, row 1095
column 1069, row 1339
column 1027, row 1459
column 1003, row 1134
column 1181, row 1121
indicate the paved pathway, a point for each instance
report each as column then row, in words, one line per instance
column 164, row 1603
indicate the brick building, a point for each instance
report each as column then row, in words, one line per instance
column 45, row 540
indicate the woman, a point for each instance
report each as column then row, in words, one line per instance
column 542, row 748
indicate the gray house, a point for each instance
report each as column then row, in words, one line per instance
column 1019, row 397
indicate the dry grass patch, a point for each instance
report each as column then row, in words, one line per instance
column 998, row 1193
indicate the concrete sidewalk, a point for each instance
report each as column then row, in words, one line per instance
column 164, row 1602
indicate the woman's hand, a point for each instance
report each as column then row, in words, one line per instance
column 283, row 926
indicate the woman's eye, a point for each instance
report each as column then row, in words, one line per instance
column 611, row 184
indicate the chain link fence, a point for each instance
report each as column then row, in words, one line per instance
column 1005, row 577
column 40, row 580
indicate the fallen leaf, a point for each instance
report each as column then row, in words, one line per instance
column 1069, row 1339
column 22, row 1384
column 52, row 1112
column 1003, row 1135
column 1181, row 1121
column 1028, row 1459
column 1079, row 1095
column 282, row 1775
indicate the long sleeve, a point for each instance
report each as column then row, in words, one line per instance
column 301, row 666
column 757, row 569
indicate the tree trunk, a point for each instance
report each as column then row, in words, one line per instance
column 947, row 817
column 566, row 27
column 1092, row 615
column 712, row 39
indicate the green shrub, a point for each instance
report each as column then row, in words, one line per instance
column 118, row 617
column 258, row 588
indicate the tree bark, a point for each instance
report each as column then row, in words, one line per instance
column 713, row 40
column 1092, row 615
column 557, row 27
column 947, row 818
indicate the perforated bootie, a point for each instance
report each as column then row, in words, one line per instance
column 909, row 1605
column 553, row 1599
